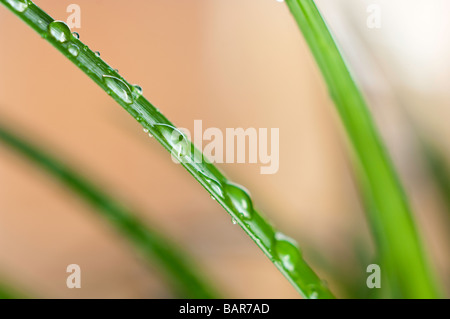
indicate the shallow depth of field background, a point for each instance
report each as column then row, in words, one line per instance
column 230, row 63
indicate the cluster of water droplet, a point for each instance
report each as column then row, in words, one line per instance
column 284, row 249
column 147, row 131
column 60, row 32
column 118, row 88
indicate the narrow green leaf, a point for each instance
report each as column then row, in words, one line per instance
column 8, row 292
column 438, row 168
column 158, row 249
column 281, row 250
column 400, row 249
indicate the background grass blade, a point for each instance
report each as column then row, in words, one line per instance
column 399, row 246
column 8, row 292
column 281, row 250
column 438, row 168
column 183, row 276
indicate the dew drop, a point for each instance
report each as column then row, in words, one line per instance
column 212, row 197
column 215, row 184
column 118, row 87
column 97, row 54
column 234, row 221
column 76, row 35
column 73, row 49
column 137, row 91
column 147, row 131
column 287, row 251
column 59, row 31
column 313, row 292
column 240, row 199
column 18, row 5
column 175, row 138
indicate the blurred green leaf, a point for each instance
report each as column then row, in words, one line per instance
column 180, row 272
column 399, row 246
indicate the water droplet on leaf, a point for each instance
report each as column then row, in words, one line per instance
column 137, row 91
column 18, row 5
column 287, row 251
column 215, row 184
column 73, row 49
column 175, row 138
column 97, row 54
column 59, row 31
column 239, row 199
column 119, row 88
column 76, row 35
column 313, row 292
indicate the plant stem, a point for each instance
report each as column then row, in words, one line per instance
column 398, row 242
column 183, row 276
column 281, row 250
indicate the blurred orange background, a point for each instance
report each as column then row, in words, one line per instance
column 233, row 63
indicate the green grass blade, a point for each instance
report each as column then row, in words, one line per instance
column 8, row 292
column 281, row 250
column 398, row 242
column 438, row 168
column 183, row 276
